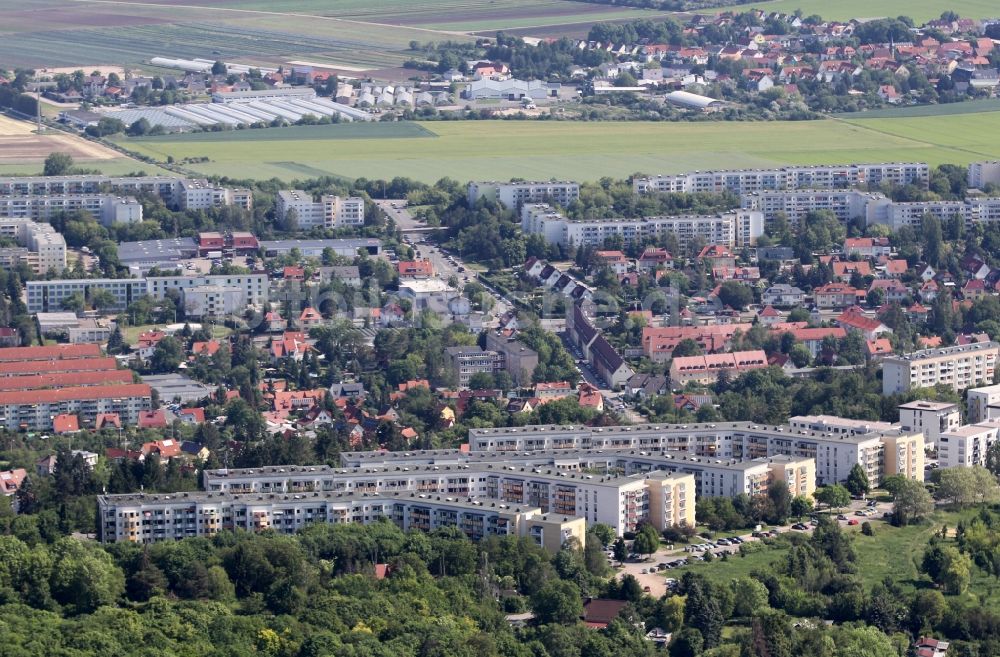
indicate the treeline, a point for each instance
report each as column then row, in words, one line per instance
column 12, row 99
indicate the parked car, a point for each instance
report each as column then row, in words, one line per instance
column 799, row 526
column 841, row 517
column 852, row 521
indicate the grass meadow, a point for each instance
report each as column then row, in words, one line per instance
column 487, row 150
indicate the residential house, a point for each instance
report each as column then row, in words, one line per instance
column 783, row 295
column 653, row 258
column 812, row 338
column 867, row 247
column 11, row 480
column 838, row 295
column 854, row 319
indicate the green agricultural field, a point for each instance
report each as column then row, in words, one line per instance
column 576, row 150
column 114, row 167
column 947, row 109
column 918, row 10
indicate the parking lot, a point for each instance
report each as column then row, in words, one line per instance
column 655, row 572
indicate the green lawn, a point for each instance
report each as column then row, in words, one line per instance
column 919, row 10
column 118, row 166
column 500, row 150
column 947, row 109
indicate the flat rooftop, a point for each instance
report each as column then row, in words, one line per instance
column 167, row 249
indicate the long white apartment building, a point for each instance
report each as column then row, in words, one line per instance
column 48, row 296
column 959, row 367
column 141, row 518
column 40, row 247
column 713, row 477
column 846, row 204
column 329, row 212
column 108, row 209
column 869, row 207
column 882, row 453
column 966, row 446
column 982, row 404
column 179, row 193
column 735, row 229
column 621, row 501
column 513, row 195
column 745, row 181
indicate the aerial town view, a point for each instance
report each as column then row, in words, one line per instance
column 499, row 328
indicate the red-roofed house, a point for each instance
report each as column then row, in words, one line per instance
column 294, row 274
column 615, row 260
column 107, row 421
column 152, row 419
column 895, row 268
column 717, row 255
column 838, row 295
column 852, row 319
column 166, row 449
column 590, row 397
column 842, row 271
column 706, row 369
column 895, row 291
column 415, row 268
column 205, row 348
column 867, row 247
column 192, row 415
column 556, row 390
column 929, row 647
column 878, row 348
column 652, row 258
column 599, row 612
column 813, row 338
column 65, row 423
column 310, row 317
column 770, row 316
column 147, row 343
column 11, row 480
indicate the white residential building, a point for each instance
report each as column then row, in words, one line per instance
column 966, row 446
column 39, row 246
column 328, row 212
column 930, row 418
column 108, row 209
column 959, row 367
column 983, row 404
column 515, row 194
column 735, row 229
column 142, row 518
column 847, row 204
column 745, row 181
column 984, row 173
column 48, row 296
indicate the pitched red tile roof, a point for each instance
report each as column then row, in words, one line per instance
column 26, row 368
column 54, row 352
column 74, row 393
column 65, row 423
column 65, row 379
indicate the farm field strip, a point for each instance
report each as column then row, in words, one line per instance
column 583, row 151
column 919, row 10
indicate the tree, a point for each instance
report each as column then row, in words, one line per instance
column 166, row 356
column 647, row 541
column 857, row 481
column 912, row 501
column 801, row 505
column 57, row 164
column 557, row 601
column 834, row 496
column 893, row 483
column 749, row 594
column 965, row 486
column 780, row 501
column 735, row 295
column 687, row 643
column 481, row 381
column 948, row 568
column 687, row 347
column 620, row 550
column 219, row 68
column 116, row 342
column 604, row 533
